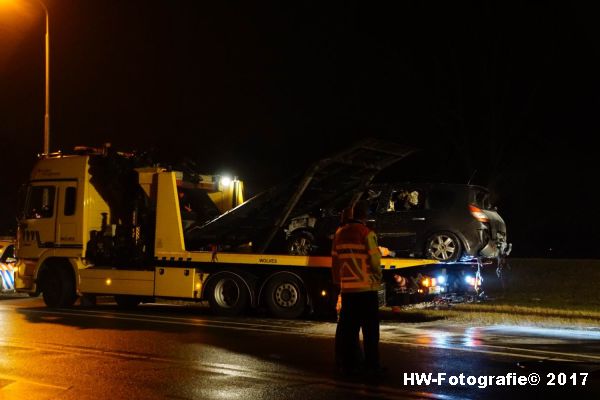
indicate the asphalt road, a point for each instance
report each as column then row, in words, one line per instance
column 182, row 352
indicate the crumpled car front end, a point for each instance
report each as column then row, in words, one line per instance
column 493, row 240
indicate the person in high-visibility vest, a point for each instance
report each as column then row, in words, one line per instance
column 346, row 217
column 356, row 269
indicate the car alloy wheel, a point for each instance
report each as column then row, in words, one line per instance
column 444, row 247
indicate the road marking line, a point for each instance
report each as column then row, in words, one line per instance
column 380, row 391
column 119, row 315
column 543, row 351
column 237, row 371
column 242, row 326
column 21, row 388
column 470, row 350
column 169, row 320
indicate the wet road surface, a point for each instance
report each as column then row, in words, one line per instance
column 181, row 352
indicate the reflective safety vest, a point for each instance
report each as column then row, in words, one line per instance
column 356, row 259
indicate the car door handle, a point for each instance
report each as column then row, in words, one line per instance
column 418, row 219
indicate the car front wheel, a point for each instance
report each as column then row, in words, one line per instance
column 301, row 243
column 444, row 246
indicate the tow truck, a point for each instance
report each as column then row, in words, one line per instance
column 102, row 223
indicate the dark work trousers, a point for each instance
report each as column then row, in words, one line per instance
column 359, row 311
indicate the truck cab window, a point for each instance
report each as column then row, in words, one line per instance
column 8, row 255
column 40, row 202
column 70, row 197
column 21, row 201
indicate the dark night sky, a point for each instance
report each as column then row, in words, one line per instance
column 259, row 89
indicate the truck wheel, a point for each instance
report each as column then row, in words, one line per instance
column 58, row 288
column 301, row 243
column 227, row 294
column 127, row 301
column 444, row 246
column 285, row 296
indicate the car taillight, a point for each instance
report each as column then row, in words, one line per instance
column 478, row 214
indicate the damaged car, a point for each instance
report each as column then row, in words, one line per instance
column 445, row 222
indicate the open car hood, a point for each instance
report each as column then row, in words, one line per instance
column 333, row 182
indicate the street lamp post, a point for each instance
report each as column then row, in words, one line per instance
column 47, row 96
column 47, row 78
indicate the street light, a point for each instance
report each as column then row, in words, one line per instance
column 47, row 96
column 47, row 77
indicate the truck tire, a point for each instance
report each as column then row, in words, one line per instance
column 443, row 246
column 127, row 301
column 58, row 287
column 227, row 294
column 285, row 296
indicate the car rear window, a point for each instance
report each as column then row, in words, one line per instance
column 481, row 199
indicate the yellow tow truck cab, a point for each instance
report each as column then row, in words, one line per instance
column 94, row 223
